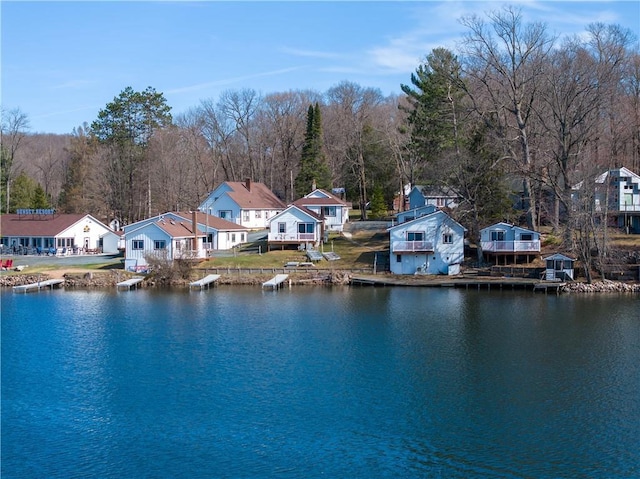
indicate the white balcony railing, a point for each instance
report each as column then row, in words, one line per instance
column 511, row 246
column 301, row 237
column 412, row 246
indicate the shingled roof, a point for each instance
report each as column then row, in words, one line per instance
column 212, row 221
column 253, row 196
column 34, row 225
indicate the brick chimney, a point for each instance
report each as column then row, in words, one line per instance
column 248, row 184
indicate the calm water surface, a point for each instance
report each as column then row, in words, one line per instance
column 319, row 382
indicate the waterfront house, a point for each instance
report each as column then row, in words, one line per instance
column 164, row 237
column 617, row 193
column 249, row 204
column 506, row 240
column 333, row 211
column 297, row 226
column 410, row 215
column 439, row 197
column 430, row 244
column 558, row 267
column 216, row 234
column 44, row 231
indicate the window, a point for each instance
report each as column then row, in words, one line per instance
column 447, row 238
column 233, row 237
column 225, row 214
column 258, row 214
column 137, row 244
column 526, row 237
column 282, row 227
column 497, row 235
column 329, row 210
column 158, row 244
column 398, row 258
column 305, row 227
column 415, row 236
column 245, row 216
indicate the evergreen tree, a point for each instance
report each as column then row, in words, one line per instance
column 378, row 205
column 23, row 189
column 39, row 198
column 313, row 165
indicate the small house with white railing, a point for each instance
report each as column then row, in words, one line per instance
column 504, row 240
column 333, row 211
column 295, row 226
column 430, row 244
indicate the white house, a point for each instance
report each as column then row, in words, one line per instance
column 411, row 215
column 425, row 195
column 504, row 239
column 430, row 244
column 162, row 236
column 327, row 206
column 247, row 203
column 296, row 225
column 39, row 231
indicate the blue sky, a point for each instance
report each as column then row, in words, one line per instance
column 64, row 61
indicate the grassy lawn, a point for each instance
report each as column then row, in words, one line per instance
column 356, row 253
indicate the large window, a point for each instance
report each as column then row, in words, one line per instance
column 526, row 237
column 415, row 236
column 159, row 244
column 329, row 210
column 497, row 235
column 137, row 244
column 305, row 227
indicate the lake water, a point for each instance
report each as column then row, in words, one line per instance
column 320, row 382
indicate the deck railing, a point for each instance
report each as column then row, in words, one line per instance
column 511, row 246
column 411, row 246
column 302, row 237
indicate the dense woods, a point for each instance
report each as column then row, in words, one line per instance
column 515, row 113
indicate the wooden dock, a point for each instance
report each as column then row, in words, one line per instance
column 129, row 283
column 49, row 283
column 546, row 286
column 207, row 281
column 276, row 281
column 438, row 281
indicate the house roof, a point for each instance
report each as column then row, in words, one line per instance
column 34, row 225
column 177, row 229
column 252, row 195
column 212, row 221
column 306, row 211
column 426, row 217
column 435, row 192
column 558, row 256
column 507, row 226
column 329, row 199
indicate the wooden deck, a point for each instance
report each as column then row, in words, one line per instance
column 276, row 281
column 207, row 281
column 130, row 283
column 46, row 284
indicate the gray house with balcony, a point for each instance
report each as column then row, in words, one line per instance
column 504, row 241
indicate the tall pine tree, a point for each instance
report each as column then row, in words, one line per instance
column 313, row 165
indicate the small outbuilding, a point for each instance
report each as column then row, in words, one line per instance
column 559, row 267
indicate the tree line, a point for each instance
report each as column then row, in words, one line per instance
column 510, row 121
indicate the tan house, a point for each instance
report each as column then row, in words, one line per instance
column 43, row 231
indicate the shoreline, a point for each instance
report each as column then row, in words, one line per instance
column 86, row 279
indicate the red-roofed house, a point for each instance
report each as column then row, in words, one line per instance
column 332, row 209
column 172, row 234
column 247, row 203
column 37, row 231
